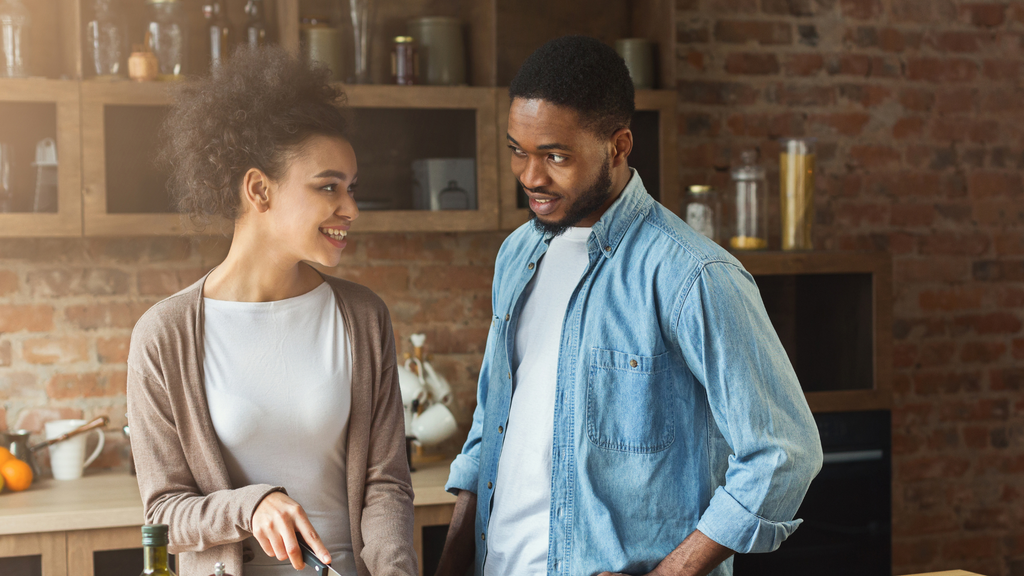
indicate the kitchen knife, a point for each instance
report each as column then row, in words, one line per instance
column 309, row 557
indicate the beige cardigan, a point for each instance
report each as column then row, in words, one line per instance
column 182, row 476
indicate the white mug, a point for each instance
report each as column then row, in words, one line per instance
column 67, row 458
column 434, row 425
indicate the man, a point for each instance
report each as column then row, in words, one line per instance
column 636, row 410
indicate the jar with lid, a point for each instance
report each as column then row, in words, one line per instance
column 106, row 38
column 701, row 211
column 750, row 225
column 167, row 26
column 405, row 61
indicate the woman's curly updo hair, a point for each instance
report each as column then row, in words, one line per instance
column 253, row 111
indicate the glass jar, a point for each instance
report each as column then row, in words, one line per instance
column 106, row 41
column 14, row 34
column 255, row 23
column 167, row 30
column 404, row 61
column 750, row 227
column 701, row 211
column 219, row 36
column 796, row 179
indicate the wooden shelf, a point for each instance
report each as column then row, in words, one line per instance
column 64, row 95
column 878, row 266
column 661, row 101
column 83, row 107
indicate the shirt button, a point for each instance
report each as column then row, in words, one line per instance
column 530, row 266
column 607, row 248
column 506, row 317
column 500, row 429
column 483, row 536
column 632, row 363
column 490, row 485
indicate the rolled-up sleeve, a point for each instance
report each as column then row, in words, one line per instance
column 730, row 345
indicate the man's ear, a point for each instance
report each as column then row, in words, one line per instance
column 622, row 145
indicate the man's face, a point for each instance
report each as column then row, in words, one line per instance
column 563, row 166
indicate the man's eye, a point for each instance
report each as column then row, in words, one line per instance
column 557, row 158
column 515, row 150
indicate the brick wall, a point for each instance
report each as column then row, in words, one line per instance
column 67, row 308
column 918, row 108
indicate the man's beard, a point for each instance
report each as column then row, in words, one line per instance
column 584, row 205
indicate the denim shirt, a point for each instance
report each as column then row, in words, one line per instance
column 676, row 406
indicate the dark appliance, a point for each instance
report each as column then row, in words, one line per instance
column 847, row 513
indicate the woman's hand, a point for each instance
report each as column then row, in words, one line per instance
column 274, row 524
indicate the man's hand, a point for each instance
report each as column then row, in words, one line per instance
column 274, row 524
column 696, row 556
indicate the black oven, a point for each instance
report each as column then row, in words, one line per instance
column 847, row 528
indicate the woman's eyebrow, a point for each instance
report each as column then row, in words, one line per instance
column 332, row 174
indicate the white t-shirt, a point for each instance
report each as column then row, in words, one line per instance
column 278, row 378
column 517, row 535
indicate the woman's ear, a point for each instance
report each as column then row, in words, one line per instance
column 256, row 190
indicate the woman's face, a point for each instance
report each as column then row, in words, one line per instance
column 315, row 201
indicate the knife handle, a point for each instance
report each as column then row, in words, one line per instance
column 309, row 557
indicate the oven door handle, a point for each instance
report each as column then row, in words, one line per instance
column 852, row 456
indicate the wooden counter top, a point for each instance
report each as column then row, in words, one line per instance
column 111, row 500
column 947, row 573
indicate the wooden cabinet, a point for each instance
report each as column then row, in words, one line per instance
column 833, row 313
column 32, row 110
column 108, row 132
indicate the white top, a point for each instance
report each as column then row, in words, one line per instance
column 517, row 536
column 278, row 378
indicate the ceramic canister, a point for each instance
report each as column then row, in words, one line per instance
column 639, row 56
column 442, row 50
column 321, row 42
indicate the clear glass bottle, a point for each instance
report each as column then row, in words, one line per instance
column 45, row 197
column 15, row 22
column 701, row 211
column 219, row 35
column 154, row 551
column 255, row 24
column 796, row 183
column 750, row 227
column 168, row 36
column 106, row 41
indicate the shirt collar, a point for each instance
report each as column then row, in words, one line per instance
column 612, row 226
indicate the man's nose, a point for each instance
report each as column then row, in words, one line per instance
column 535, row 175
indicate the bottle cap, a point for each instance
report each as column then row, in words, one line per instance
column 154, row 535
column 46, row 153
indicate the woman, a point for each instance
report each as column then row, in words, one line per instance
column 263, row 400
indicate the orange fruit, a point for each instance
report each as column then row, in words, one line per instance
column 5, row 455
column 17, row 474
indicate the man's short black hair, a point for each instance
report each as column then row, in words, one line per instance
column 583, row 74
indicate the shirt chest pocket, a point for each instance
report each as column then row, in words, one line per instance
column 630, row 404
